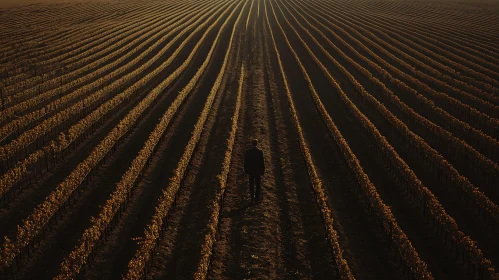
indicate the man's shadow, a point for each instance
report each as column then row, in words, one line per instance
column 239, row 211
column 245, row 205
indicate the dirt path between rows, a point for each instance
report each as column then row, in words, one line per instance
column 283, row 235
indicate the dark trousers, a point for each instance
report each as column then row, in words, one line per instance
column 254, row 180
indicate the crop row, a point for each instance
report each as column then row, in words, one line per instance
column 437, row 25
column 428, row 51
column 477, row 164
column 331, row 234
column 44, row 28
column 403, row 174
column 67, row 139
column 74, row 83
column 23, row 71
column 483, row 143
column 92, row 61
column 457, row 93
column 114, row 205
column 107, row 47
column 31, row 136
column 388, row 35
column 139, row 264
column 213, row 223
column 58, row 37
column 423, row 35
column 465, row 92
column 365, row 190
column 463, row 48
column 42, row 214
column 468, row 195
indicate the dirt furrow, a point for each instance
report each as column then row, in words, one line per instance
column 61, row 239
column 18, row 208
column 364, row 250
column 440, row 261
column 179, row 251
column 98, row 190
column 148, row 191
column 283, row 235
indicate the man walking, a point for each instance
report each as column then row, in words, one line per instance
column 254, row 166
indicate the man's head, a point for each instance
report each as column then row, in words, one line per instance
column 254, row 142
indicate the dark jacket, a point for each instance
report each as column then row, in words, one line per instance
column 254, row 164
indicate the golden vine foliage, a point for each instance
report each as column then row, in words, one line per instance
column 137, row 266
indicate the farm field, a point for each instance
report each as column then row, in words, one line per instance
column 123, row 127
